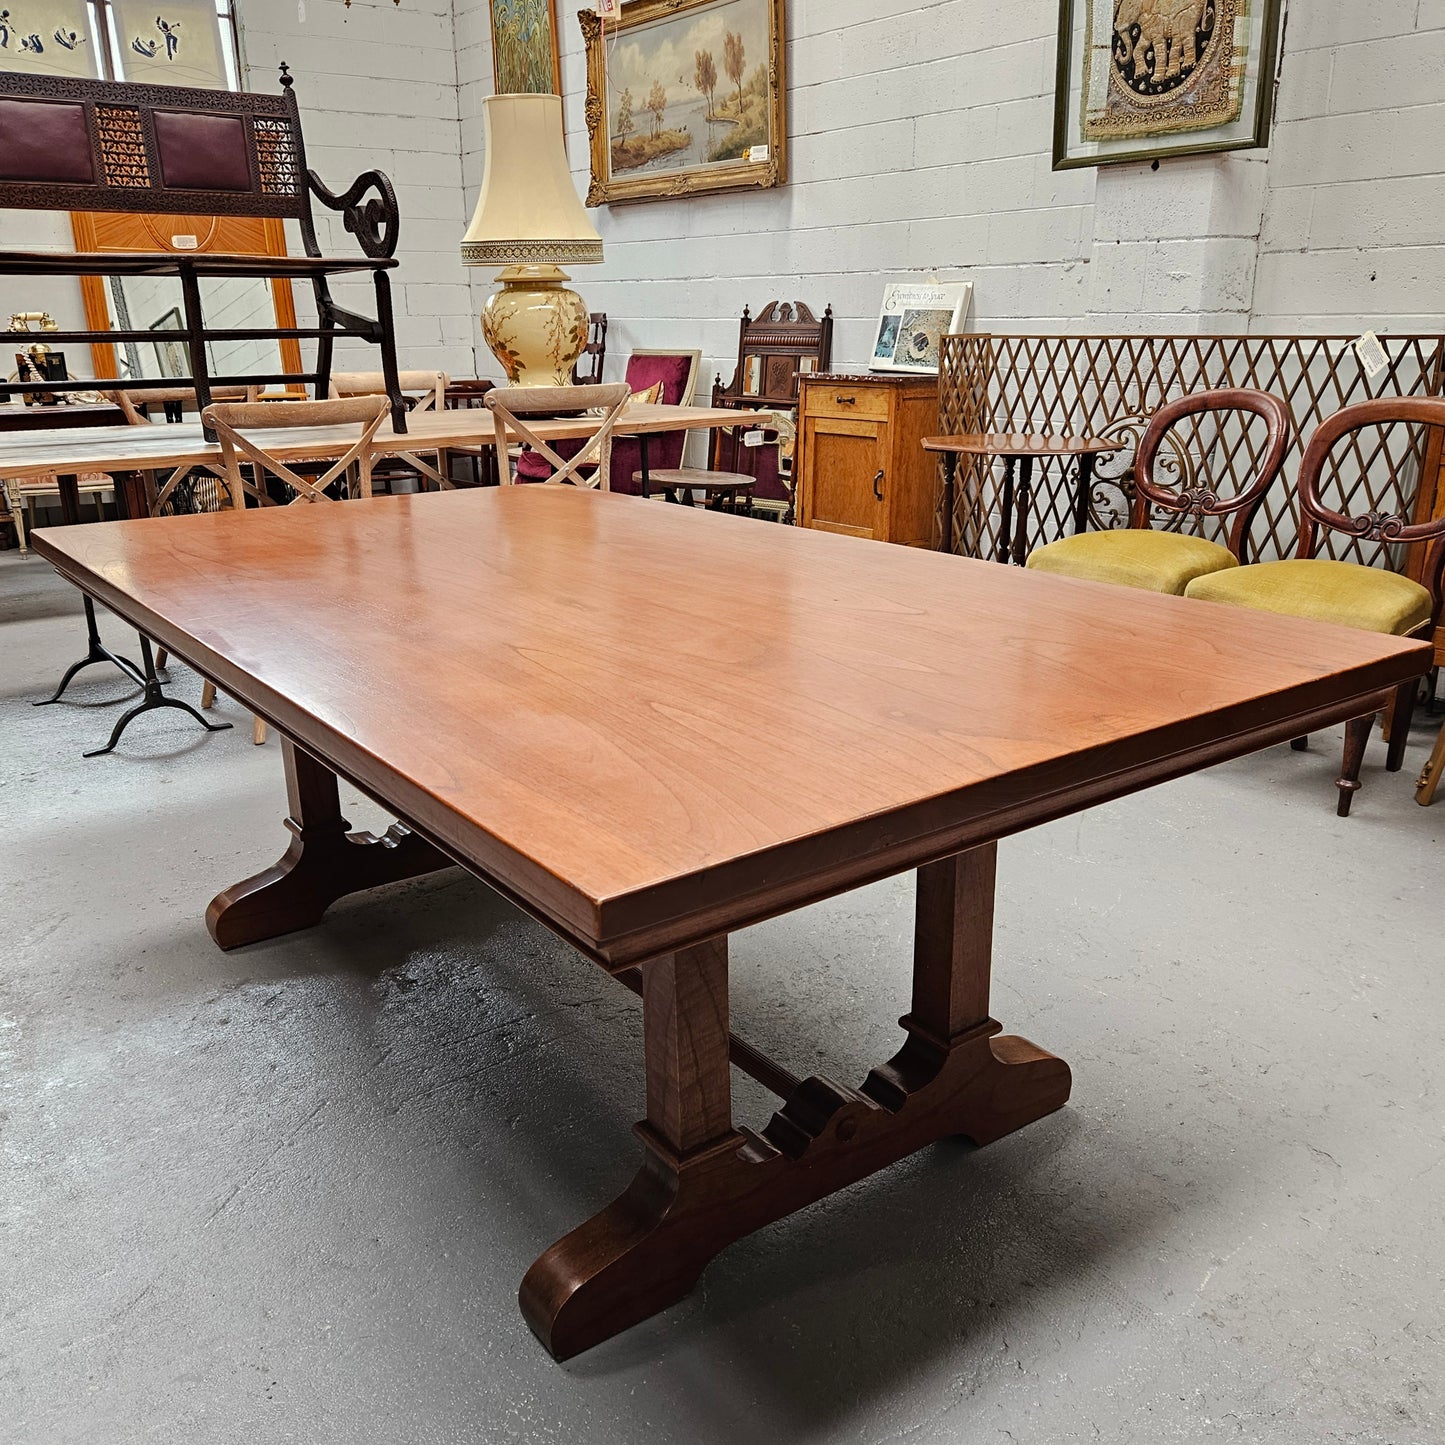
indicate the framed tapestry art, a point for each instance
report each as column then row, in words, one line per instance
column 913, row 318
column 1141, row 79
column 685, row 96
column 525, row 60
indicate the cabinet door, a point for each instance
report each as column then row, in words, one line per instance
column 844, row 458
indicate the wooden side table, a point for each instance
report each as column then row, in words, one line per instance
column 1019, row 448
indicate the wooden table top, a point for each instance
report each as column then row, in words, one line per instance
column 1018, row 444
column 173, row 444
column 653, row 724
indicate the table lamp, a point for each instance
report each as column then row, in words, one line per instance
column 529, row 219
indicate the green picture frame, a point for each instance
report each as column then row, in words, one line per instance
column 1212, row 86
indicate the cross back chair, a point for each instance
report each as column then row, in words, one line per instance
column 229, row 419
column 510, row 404
column 1169, row 561
column 1351, row 594
column 232, row 420
column 426, row 391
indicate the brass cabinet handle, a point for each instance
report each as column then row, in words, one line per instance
column 845, row 401
column 878, row 484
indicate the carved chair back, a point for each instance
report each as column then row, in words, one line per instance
column 234, row 419
column 509, row 404
column 76, row 144
column 784, row 339
column 1198, row 497
column 1389, row 529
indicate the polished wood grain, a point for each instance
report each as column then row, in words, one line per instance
column 124, row 448
column 909, row 704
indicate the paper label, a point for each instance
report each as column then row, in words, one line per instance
column 752, row 438
column 608, row 9
column 185, row 243
column 758, row 153
column 1372, row 355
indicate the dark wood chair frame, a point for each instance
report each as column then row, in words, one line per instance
column 588, row 370
column 787, row 333
column 125, row 165
column 1200, row 499
column 1388, row 528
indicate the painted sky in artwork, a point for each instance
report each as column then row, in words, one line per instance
column 666, row 50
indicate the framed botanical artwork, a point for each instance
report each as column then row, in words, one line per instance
column 524, row 47
column 1141, row 79
column 685, row 96
column 913, row 318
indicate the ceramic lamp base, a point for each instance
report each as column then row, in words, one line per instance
column 535, row 326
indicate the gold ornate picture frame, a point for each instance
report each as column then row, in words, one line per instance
column 1143, row 79
column 685, row 97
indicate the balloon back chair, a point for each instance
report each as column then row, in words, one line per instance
column 1169, row 561
column 1350, row 593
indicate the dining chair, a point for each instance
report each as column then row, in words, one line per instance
column 1351, row 593
column 233, row 421
column 424, row 391
column 1167, row 561
column 588, row 370
column 510, row 404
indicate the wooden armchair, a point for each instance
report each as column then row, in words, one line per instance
column 784, row 341
column 1167, row 561
column 1356, row 593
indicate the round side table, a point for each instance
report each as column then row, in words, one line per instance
column 1017, row 449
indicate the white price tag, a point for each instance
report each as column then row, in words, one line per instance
column 185, row 243
column 752, row 438
column 757, row 153
column 608, row 9
column 1372, row 355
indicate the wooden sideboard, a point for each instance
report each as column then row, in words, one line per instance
column 860, row 465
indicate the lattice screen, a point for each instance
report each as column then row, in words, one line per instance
column 1109, row 386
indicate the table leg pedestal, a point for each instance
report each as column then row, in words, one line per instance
column 704, row 1183
column 323, row 863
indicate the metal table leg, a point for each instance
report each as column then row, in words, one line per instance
column 154, row 698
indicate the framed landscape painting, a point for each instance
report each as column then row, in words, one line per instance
column 1141, row 79
column 524, row 47
column 685, row 96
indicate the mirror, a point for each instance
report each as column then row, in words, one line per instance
column 153, row 303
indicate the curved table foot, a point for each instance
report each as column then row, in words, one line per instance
column 324, row 862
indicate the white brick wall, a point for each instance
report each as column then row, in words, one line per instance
column 920, row 136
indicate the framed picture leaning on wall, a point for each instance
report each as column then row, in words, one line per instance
column 1143, row 79
column 685, row 96
column 914, row 316
column 524, row 47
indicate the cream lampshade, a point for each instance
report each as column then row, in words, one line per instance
column 529, row 219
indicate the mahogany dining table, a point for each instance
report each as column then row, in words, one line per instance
column 650, row 727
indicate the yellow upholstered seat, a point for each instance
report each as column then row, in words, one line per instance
column 1155, row 561
column 1344, row 592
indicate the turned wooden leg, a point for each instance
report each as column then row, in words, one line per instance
column 1399, row 718
column 1357, row 735
column 325, row 861
column 703, row 1183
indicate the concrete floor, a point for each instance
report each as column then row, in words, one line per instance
column 287, row 1194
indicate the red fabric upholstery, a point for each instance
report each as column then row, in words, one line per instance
column 45, row 140
column 662, row 451
column 202, row 152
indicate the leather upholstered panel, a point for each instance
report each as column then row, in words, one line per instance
column 202, row 152
column 45, row 141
